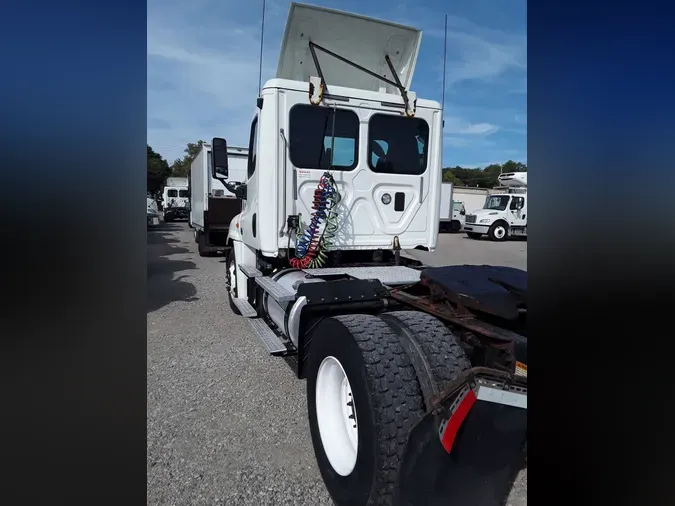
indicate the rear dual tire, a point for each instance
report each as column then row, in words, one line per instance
column 362, row 355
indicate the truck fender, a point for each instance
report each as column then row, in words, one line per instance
column 234, row 234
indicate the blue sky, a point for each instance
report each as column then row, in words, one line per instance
column 203, row 70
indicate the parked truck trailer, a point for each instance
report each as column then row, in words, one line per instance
column 452, row 212
column 212, row 204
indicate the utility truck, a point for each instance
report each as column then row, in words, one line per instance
column 452, row 212
column 212, row 204
column 176, row 199
column 416, row 377
column 504, row 214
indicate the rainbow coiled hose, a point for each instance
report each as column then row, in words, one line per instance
column 311, row 247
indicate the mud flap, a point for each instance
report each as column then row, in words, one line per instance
column 486, row 452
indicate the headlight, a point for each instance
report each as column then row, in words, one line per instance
column 485, row 221
column 386, row 199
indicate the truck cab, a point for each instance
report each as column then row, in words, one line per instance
column 176, row 201
column 343, row 172
column 504, row 214
column 458, row 214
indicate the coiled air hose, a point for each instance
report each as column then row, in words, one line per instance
column 311, row 247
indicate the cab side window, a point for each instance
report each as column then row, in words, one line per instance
column 517, row 203
column 253, row 148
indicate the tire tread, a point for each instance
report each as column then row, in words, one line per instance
column 441, row 347
column 395, row 394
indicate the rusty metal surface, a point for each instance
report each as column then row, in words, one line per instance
column 489, row 334
column 440, row 403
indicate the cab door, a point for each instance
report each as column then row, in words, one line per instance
column 248, row 219
column 518, row 211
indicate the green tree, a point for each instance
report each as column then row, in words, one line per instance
column 158, row 171
column 449, row 177
column 512, row 166
column 181, row 166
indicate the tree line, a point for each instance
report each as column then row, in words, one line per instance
column 159, row 170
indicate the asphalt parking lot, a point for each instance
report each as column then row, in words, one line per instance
column 227, row 423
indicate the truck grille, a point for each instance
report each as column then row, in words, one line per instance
column 471, row 218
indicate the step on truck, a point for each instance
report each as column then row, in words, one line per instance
column 416, row 377
column 213, row 204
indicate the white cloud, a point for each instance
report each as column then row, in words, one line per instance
column 197, row 89
column 456, row 142
column 458, row 126
column 203, row 60
column 474, row 52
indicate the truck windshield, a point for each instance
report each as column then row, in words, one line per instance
column 497, row 202
column 172, row 193
column 183, row 193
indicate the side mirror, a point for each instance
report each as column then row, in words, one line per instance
column 219, row 158
column 462, row 212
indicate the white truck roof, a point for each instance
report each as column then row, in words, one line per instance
column 513, row 179
column 351, row 94
column 363, row 40
column 176, row 181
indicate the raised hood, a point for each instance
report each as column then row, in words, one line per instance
column 362, row 40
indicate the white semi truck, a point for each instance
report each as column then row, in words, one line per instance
column 212, row 203
column 416, row 377
column 504, row 214
column 452, row 212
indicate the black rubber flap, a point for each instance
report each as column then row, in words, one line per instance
column 480, row 470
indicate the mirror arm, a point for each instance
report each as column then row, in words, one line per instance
column 238, row 189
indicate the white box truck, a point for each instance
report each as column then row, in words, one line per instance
column 452, row 212
column 504, row 214
column 212, row 203
column 176, row 199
